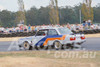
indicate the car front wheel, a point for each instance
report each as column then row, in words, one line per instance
column 27, row 46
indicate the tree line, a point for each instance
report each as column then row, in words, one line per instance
column 41, row 16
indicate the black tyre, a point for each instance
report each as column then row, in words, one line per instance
column 57, row 45
column 27, row 46
column 41, row 47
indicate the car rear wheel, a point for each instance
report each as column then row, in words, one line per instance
column 57, row 45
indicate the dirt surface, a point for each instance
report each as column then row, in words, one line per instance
column 43, row 59
column 92, row 35
column 10, row 39
column 40, row 62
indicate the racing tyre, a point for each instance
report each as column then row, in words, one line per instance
column 57, row 45
column 41, row 47
column 27, row 46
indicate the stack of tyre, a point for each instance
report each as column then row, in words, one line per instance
column 17, row 34
column 22, row 34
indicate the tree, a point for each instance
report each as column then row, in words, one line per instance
column 87, row 10
column 6, row 18
column 68, row 15
column 97, row 13
column 54, row 13
column 20, row 18
column 42, row 15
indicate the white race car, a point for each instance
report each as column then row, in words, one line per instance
column 54, row 37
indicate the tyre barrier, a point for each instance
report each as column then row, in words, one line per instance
column 22, row 34
column 18, row 34
column 87, row 31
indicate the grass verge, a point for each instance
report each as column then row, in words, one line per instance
column 45, row 59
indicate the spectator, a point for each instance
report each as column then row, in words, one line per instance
column 92, row 26
column 29, row 28
column 25, row 28
column 89, row 23
column 83, row 23
column 21, row 28
column 68, row 25
column 33, row 28
column 86, row 27
column 77, row 27
column 17, row 29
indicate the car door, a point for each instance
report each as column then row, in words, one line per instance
column 52, row 36
column 39, row 37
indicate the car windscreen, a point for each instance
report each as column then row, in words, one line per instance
column 65, row 31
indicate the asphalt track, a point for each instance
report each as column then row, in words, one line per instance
column 91, row 44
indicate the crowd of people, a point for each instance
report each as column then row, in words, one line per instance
column 29, row 28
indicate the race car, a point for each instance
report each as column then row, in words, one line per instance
column 57, row 38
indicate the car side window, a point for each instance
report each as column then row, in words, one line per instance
column 52, row 32
column 42, row 33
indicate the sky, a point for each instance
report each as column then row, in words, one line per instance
column 12, row 5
